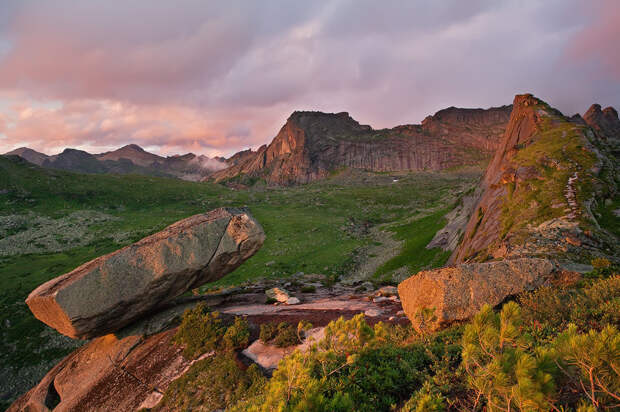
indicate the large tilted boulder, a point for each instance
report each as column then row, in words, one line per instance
column 109, row 292
column 457, row 293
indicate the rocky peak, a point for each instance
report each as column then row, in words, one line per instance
column 29, row 155
column 604, row 121
column 133, row 147
column 535, row 190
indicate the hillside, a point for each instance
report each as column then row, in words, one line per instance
column 52, row 221
column 311, row 145
column 542, row 189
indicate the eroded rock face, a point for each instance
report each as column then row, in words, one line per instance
column 108, row 374
column 458, row 293
column 312, row 144
column 536, row 178
column 111, row 291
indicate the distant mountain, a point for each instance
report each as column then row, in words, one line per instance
column 132, row 152
column 28, row 154
column 312, row 144
column 128, row 159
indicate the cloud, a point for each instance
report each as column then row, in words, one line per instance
column 216, row 77
column 596, row 45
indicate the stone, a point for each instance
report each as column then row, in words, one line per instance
column 387, row 291
column 457, row 293
column 293, row 301
column 108, row 374
column 268, row 356
column 380, row 299
column 373, row 312
column 279, row 294
column 110, row 292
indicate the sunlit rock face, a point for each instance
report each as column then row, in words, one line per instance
column 312, row 144
column 111, row 291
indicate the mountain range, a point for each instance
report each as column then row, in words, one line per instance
column 128, row 159
column 312, row 145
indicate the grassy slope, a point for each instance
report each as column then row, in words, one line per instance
column 310, row 228
column 416, row 235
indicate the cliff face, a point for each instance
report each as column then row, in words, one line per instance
column 537, row 193
column 312, row 144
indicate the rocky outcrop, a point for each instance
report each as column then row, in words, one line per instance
column 457, row 293
column 111, row 291
column 312, row 144
column 132, row 368
column 604, row 121
column 109, row 373
column 538, row 179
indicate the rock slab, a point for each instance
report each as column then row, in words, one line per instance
column 109, row 292
column 457, row 293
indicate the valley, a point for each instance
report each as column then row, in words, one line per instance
column 332, row 227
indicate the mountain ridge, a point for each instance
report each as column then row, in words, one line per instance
column 311, row 145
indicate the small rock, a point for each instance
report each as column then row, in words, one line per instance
column 380, row 299
column 392, row 318
column 394, row 299
column 279, row 294
column 293, row 301
column 373, row 312
column 388, row 291
column 270, row 263
column 400, row 313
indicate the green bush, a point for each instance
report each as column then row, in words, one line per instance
column 202, row 331
column 591, row 307
column 426, row 399
column 380, row 378
column 283, row 334
column 212, row 383
column 592, row 360
column 356, row 367
column 237, row 335
column 501, row 366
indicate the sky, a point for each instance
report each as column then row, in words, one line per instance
column 216, row 77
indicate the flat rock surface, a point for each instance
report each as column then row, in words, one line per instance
column 457, row 293
column 111, row 291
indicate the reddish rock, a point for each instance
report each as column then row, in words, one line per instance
column 457, row 293
column 311, row 144
column 111, row 291
column 108, row 374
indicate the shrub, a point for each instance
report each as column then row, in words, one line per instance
column 380, row 378
column 203, row 331
column 237, row 335
column 200, row 331
column 354, row 368
column 552, row 309
column 308, row 289
column 212, row 383
column 592, row 360
column 286, row 335
column 268, row 332
column 283, row 334
column 501, row 367
column 426, row 399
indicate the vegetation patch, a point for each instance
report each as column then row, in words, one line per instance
column 414, row 254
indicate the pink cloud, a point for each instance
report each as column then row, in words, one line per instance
column 213, row 78
column 598, row 43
